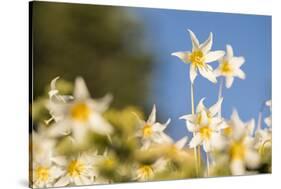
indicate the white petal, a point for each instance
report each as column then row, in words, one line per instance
column 229, row 52
column 181, row 143
column 158, row 127
column 216, row 107
column 217, row 141
column 195, row 141
column 188, row 117
column 99, row 125
column 194, row 40
column 208, row 74
column 53, row 83
column 204, row 118
column 191, row 127
column 63, row 181
column 182, row 55
column 80, row 89
column 237, row 167
column 239, row 73
column 79, row 132
column 237, row 62
column 192, row 73
column 250, row 126
column 201, row 107
column 214, row 56
column 252, row 159
column 100, row 105
column 238, row 125
column 207, row 45
column 152, row 116
column 228, row 81
column 59, row 129
column 85, row 180
column 268, row 121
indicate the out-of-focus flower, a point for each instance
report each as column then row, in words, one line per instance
column 263, row 138
column 151, row 131
column 241, row 145
column 230, row 67
column 79, row 115
column 206, row 126
column 146, row 172
column 45, row 174
column 42, row 146
column 268, row 120
column 200, row 57
column 175, row 149
column 77, row 171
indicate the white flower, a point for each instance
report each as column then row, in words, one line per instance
column 268, row 120
column 230, row 67
column 77, row 171
column 200, row 57
column 79, row 115
column 206, row 126
column 151, row 131
column 146, row 172
column 42, row 146
column 44, row 174
column 263, row 138
column 241, row 145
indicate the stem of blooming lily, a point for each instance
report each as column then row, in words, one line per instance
column 195, row 148
column 208, row 163
column 220, row 94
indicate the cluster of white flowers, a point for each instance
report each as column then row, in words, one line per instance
column 240, row 140
column 74, row 116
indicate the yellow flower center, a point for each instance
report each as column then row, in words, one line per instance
column 80, row 112
column 226, row 68
column 147, row 130
column 237, row 150
column 205, row 132
column 75, row 168
column 146, row 171
column 197, row 58
column 42, row 173
column 228, row 131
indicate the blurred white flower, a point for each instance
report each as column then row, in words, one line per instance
column 206, row 126
column 42, row 146
column 268, row 120
column 200, row 57
column 147, row 171
column 79, row 115
column 229, row 67
column 151, row 131
column 77, row 171
column 241, row 145
column 44, row 174
column 263, row 138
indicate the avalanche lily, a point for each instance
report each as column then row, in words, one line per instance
column 241, row 145
column 79, row 115
column 77, row 171
column 229, row 67
column 199, row 58
column 151, row 132
column 206, row 126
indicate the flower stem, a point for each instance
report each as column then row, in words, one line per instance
column 220, row 94
column 208, row 163
column 193, row 112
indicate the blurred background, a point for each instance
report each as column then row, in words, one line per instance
column 127, row 52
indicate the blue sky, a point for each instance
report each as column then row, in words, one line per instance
column 166, row 32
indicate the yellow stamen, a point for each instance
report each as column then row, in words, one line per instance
column 226, row 68
column 205, row 132
column 228, row 131
column 80, row 112
column 75, row 168
column 146, row 171
column 237, row 150
column 197, row 58
column 42, row 173
column 147, row 130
